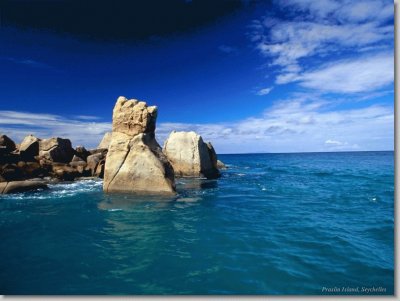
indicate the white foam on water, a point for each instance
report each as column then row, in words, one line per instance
column 60, row 190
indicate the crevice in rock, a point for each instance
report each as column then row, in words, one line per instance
column 116, row 173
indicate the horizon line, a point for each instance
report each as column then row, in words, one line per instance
column 309, row 152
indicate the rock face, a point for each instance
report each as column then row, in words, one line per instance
column 105, row 142
column 135, row 162
column 29, row 147
column 190, row 156
column 56, row 150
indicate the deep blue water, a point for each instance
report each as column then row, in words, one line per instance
column 273, row 224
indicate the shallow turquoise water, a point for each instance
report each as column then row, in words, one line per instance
column 273, row 224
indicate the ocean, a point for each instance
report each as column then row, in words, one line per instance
column 302, row 224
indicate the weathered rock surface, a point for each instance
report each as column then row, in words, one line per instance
column 105, row 142
column 190, row 156
column 29, row 147
column 135, row 162
column 56, row 149
column 132, row 117
column 21, row 186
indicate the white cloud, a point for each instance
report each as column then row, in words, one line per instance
column 319, row 29
column 86, row 117
column 264, row 91
column 81, row 132
column 27, row 62
column 227, row 49
column 299, row 125
column 334, row 142
column 342, row 10
column 351, row 76
column 295, row 125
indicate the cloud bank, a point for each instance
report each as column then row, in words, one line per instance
column 299, row 124
column 311, row 34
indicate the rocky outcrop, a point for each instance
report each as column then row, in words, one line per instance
column 105, row 142
column 81, row 152
column 190, row 156
column 29, row 148
column 21, row 186
column 96, row 163
column 6, row 144
column 135, row 162
column 56, row 150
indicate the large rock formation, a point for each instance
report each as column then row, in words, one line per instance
column 135, row 162
column 105, row 142
column 190, row 156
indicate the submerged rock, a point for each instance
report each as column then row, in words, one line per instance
column 135, row 162
column 21, row 186
column 190, row 156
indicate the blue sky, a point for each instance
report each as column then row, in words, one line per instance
column 280, row 76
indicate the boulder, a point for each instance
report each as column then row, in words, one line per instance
column 29, row 148
column 21, row 186
column 95, row 164
column 135, row 162
column 190, row 156
column 56, row 150
column 65, row 172
column 81, row 152
column 6, row 144
column 11, row 172
column 105, row 142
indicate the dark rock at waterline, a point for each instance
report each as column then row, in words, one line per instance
column 21, row 171
column 10, row 172
column 21, row 186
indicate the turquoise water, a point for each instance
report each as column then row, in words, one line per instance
column 273, row 224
